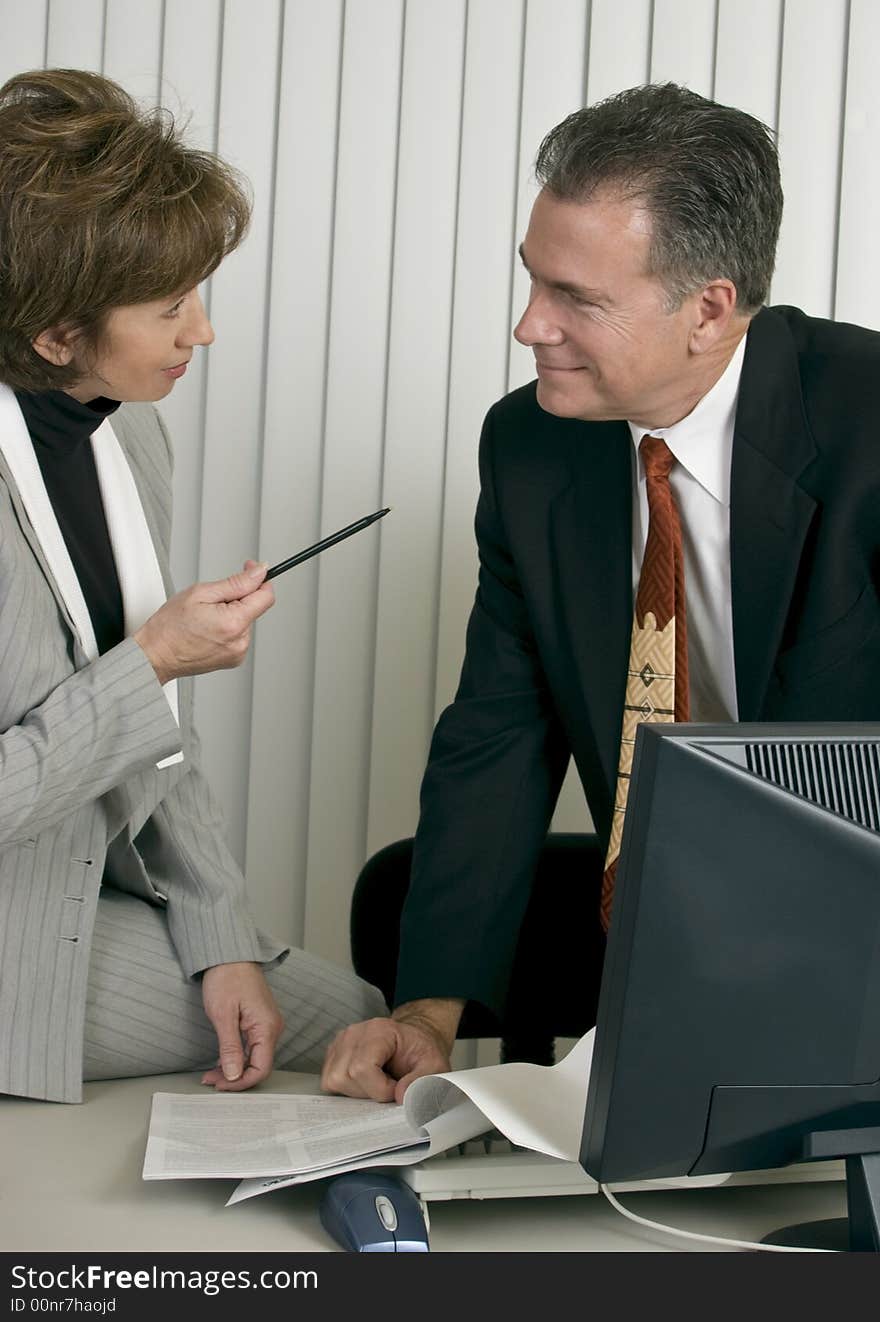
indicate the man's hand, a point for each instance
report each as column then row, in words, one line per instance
column 239, row 1004
column 207, row 626
column 380, row 1057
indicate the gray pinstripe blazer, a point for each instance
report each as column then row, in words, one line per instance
column 81, row 798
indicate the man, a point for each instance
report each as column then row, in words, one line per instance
column 650, row 250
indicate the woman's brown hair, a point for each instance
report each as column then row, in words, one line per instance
column 101, row 206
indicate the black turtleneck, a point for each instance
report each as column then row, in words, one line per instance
column 60, row 427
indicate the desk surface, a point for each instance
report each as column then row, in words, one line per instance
column 70, row 1179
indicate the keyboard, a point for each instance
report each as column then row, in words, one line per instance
column 491, row 1167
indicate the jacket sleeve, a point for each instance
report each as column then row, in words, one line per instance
column 496, row 764
column 183, row 847
column 106, row 722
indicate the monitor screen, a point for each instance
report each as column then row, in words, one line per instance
column 739, row 1016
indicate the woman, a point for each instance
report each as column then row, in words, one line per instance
column 125, row 942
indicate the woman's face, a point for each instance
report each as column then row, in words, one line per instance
column 145, row 348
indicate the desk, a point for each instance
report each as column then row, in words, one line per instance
column 70, row 1179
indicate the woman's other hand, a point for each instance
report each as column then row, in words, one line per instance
column 247, row 1022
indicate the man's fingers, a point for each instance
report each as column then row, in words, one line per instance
column 368, row 1059
column 358, row 1075
column 402, row 1084
column 355, row 1063
column 366, row 1080
column 431, row 1061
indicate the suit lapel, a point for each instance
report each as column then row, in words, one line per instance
column 592, row 530
column 770, row 513
column 133, row 447
column 13, row 436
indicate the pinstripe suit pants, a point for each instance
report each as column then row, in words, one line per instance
column 143, row 1016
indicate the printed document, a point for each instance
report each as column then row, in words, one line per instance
column 270, row 1140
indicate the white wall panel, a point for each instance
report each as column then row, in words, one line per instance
column 133, row 46
column 554, row 69
column 747, row 56
column 353, row 448
column 75, row 37
column 416, row 424
column 683, row 43
column 480, row 327
column 236, row 379
column 23, row 44
column 293, row 452
column 620, row 46
column 190, row 80
column 810, row 110
column 857, row 295
column 192, row 39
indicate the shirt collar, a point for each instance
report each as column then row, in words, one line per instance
column 702, row 442
column 58, row 422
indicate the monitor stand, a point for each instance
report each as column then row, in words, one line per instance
column 832, row 1235
column 859, row 1231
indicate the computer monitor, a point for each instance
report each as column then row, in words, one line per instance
column 739, row 1016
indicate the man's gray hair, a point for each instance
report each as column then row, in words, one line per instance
column 708, row 176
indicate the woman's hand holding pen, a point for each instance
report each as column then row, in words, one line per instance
column 207, row 626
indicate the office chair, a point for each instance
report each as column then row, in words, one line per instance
column 554, row 986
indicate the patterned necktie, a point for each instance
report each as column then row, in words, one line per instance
column 657, row 679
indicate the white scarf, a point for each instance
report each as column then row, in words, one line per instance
column 140, row 578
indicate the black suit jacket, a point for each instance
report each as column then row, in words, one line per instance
column 544, row 672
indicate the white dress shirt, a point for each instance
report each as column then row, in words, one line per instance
column 702, row 444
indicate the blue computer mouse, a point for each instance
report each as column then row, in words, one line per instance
column 371, row 1212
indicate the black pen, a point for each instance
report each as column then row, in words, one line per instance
column 322, row 545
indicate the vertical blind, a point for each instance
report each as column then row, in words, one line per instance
column 364, row 329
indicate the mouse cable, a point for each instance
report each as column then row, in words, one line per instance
column 705, row 1239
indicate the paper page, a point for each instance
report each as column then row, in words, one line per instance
column 251, row 1188
column 535, row 1106
column 269, row 1141
column 461, row 1121
column 198, row 1137
column 458, row 1120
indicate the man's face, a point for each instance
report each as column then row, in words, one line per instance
column 605, row 347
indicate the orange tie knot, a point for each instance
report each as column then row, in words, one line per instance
column 656, row 456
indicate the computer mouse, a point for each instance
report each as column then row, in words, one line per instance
column 371, row 1212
